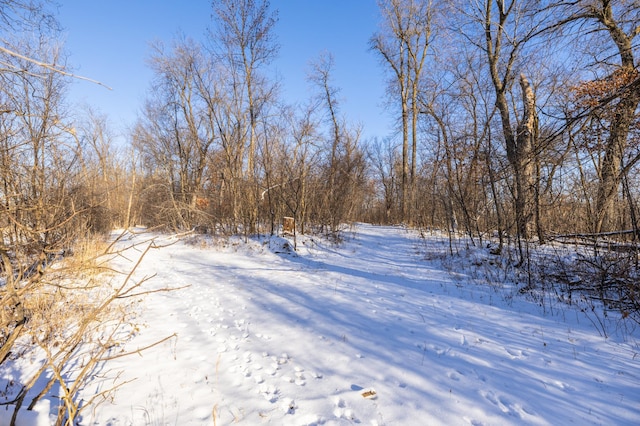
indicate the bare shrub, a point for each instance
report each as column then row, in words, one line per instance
column 609, row 278
column 76, row 316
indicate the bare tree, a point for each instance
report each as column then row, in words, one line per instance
column 107, row 176
column 508, row 27
column 403, row 43
column 243, row 37
column 344, row 168
column 385, row 163
column 244, row 30
column 320, row 76
column 175, row 134
column 290, row 154
column 40, row 185
column 30, row 17
column 611, row 30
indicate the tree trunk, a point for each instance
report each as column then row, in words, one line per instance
column 522, row 159
column 610, row 172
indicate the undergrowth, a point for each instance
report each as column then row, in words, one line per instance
column 74, row 316
column 602, row 284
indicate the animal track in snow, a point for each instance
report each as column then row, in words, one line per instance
column 495, row 400
column 562, row 385
column 506, row 406
column 341, row 411
column 463, row 341
column 454, row 375
column 269, row 392
column 473, row 422
column 516, row 353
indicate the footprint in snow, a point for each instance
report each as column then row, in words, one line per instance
column 299, row 376
column 454, row 375
column 269, row 392
column 463, row 341
column 562, row 385
column 341, row 411
column 516, row 353
column 495, row 400
column 481, row 377
column 506, row 406
column 281, row 361
column 263, row 336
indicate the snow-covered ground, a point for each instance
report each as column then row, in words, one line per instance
column 367, row 332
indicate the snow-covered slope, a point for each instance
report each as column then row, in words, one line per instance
column 368, row 332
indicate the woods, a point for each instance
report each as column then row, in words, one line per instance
column 503, row 127
column 516, row 125
column 515, row 120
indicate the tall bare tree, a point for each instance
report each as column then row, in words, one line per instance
column 508, row 27
column 39, row 172
column 611, row 30
column 341, row 177
column 175, row 135
column 244, row 35
column 403, row 43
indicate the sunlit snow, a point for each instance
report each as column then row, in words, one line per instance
column 371, row 331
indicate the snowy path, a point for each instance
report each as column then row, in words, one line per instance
column 266, row 338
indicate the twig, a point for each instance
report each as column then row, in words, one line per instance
column 137, row 351
column 160, row 290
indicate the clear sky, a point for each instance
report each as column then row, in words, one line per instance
column 109, row 41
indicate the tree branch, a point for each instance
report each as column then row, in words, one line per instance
column 52, row 67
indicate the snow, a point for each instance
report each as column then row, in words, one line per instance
column 371, row 331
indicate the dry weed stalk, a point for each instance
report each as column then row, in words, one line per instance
column 74, row 319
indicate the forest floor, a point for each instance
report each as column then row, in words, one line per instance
column 381, row 329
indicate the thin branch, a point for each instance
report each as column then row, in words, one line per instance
column 161, row 290
column 137, row 351
column 52, row 67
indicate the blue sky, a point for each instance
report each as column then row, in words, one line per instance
column 109, row 42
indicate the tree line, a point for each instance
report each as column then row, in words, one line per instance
column 515, row 119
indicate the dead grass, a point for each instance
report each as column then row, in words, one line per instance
column 77, row 315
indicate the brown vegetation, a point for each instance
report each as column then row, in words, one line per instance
column 518, row 122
